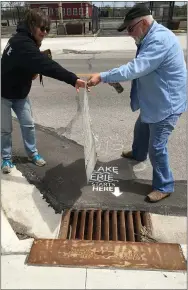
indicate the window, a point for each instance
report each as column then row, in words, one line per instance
column 75, row 11
column 56, row 12
column 69, row 11
column 63, row 11
column 45, row 10
column 51, row 11
column 81, row 11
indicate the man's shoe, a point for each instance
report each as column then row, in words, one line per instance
column 37, row 160
column 156, row 196
column 6, row 166
column 127, row 154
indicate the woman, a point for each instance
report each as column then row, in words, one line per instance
column 21, row 61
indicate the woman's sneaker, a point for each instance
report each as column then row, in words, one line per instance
column 6, row 166
column 37, row 160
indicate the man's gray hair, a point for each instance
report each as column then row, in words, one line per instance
column 149, row 18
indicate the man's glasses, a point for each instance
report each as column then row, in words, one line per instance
column 43, row 29
column 130, row 28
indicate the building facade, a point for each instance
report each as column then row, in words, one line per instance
column 64, row 9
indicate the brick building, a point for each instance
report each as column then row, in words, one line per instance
column 64, row 9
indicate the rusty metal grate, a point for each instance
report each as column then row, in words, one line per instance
column 107, row 225
column 124, row 255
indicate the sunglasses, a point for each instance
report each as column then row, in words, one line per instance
column 43, row 29
column 130, row 28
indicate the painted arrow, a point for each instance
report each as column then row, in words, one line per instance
column 117, row 192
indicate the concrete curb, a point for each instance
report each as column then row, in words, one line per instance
column 10, row 244
column 25, row 211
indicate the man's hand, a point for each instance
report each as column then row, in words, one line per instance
column 80, row 84
column 94, row 80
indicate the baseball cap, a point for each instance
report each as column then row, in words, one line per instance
column 136, row 11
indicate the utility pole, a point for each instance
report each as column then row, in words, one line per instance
column 114, row 5
column 82, row 19
column 60, row 10
column 171, row 10
column 151, row 6
column 61, row 28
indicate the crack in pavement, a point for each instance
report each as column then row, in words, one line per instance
column 67, row 51
column 89, row 61
column 79, row 51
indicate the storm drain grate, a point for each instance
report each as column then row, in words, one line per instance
column 105, row 238
column 107, row 225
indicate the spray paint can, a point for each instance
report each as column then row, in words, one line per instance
column 117, row 87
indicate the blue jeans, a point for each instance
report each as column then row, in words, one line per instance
column 22, row 109
column 152, row 139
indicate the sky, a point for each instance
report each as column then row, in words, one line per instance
column 123, row 3
column 117, row 3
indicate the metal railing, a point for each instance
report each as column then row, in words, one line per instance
column 11, row 16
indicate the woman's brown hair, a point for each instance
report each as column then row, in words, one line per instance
column 36, row 18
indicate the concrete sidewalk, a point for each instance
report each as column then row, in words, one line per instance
column 92, row 44
column 29, row 277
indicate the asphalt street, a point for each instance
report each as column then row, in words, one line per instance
column 56, row 106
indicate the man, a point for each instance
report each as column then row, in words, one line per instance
column 20, row 63
column 158, row 75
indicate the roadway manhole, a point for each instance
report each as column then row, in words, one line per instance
column 106, row 225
